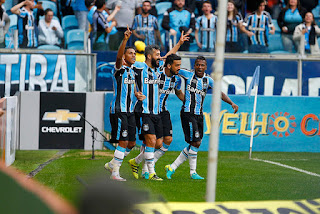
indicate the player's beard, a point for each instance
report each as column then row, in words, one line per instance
column 154, row 63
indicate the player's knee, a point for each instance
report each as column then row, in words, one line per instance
column 131, row 144
column 196, row 144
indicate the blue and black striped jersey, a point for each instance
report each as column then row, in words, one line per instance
column 207, row 28
column 166, row 87
column 232, row 34
column 123, row 89
column 147, row 81
column 146, row 26
column 26, row 29
column 195, row 91
column 260, row 26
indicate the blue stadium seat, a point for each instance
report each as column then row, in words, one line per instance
column 8, row 5
column 316, row 11
column 13, row 26
column 13, row 20
column 48, row 47
column 318, row 41
column 275, row 24
column 275, row 42
column 163, row 7
column 51, row 5
column 75, row 39
column 279, row 52
column 69, row 23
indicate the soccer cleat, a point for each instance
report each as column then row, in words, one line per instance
column 195, row 176
column 154, row 177
column 117, row 178
column 134, row 167
column 107, row 167
column 169, row 171
column 145, row 175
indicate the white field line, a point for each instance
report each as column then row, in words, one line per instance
column 289, row 167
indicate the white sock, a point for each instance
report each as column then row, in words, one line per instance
column 117, row 160
column 145, row 168
column 193, row 159
column 111, row 163
column 181, row 158
column 160, row 152
column 149, row 158
column 140, row 157
column 127, row 152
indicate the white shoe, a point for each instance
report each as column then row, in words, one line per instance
column 117, row 178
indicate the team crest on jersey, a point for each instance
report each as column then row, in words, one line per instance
column 205, row 85
column 196, row 134
column 145, row 127
column 194, row 81
column 124, row 133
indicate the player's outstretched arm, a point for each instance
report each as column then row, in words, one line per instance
column 122, row 47
column 183, row 38
column 179, row 94
column 226, row 99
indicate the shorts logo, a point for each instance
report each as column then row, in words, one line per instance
column 170, row 132
column 196, row 134
column 124, row 133
column 145, row 127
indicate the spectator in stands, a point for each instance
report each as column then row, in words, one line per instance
column 234, row 23
column 259, row 25
column 26, row 24
column 306, row 34
column 50, row 31
column 4, row 24
column 289, row 17
column 178, row 19
column 206, row 27
column 81, row 12
column 145, row 26
column 124, row 17
column 100, row 27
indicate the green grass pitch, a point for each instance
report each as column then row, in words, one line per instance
column 239, row 179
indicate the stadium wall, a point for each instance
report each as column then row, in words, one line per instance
column 284, row 124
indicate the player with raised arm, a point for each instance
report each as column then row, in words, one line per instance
column 148, row 81
column 197, row 84
column 122, row 118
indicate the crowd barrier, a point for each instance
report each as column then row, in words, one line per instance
column 40, row 70
column 9, row 120
column 284, row 124
column 284, row 75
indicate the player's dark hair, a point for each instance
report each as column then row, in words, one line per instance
column 259, row 2
column 171, row 58
column 201, row 58
column 207, row 2
column 100, row 3
column 47, row 11
column 89, row 3
column 149, row 49
column 129, row 47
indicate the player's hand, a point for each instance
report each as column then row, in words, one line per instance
column 127, row 34
column 199, row 44
column 249, row 33
column 117, row 8
column 235, row 107
column 1, row 112
column 140, row 96
column 183, row 38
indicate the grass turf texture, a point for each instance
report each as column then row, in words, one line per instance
column 239, row 179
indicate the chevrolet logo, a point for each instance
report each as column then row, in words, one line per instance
column 62, row 116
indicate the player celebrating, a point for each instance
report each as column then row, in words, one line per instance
column 197, row 84
column 148, row 83
column 121, row 113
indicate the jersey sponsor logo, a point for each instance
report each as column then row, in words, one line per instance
column 148, row 81
column 145, row 28
column 168, row 91
column 128, row 81
column 27, row 27
column 195, row 90
column 124, row 133
column 256, row 28
column 208, row 29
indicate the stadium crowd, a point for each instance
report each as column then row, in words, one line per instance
column 252, row 26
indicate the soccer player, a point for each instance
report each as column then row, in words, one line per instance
column 121, row 113
column 197, row 84
column 151, row 127
column 170, row 82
